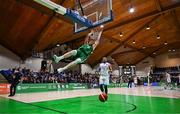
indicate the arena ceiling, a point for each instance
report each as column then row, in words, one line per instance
column 27, row 26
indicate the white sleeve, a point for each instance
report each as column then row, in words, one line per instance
column 100, row 65
column 108, row 64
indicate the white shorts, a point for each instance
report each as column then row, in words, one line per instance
column 168, row 81
column 104, row 80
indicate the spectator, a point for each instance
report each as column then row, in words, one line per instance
column 130, row 81
column 15, row 80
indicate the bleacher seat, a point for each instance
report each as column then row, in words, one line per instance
column 3, row 79
column 7, row 74
column 154, row 84
column 145, row 84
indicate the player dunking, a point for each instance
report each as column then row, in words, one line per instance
column 83, row 52
column 105, row 69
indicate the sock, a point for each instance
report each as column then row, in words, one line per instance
column 106, row 90
column 57, row 59
column 60, row 58
column 101, row 88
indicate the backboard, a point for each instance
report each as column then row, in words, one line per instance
column 98, row 11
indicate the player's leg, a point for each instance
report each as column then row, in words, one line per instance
column 106, row 89
column 168, row 85
column 106, row 83
column 14, row 92
column 70, row 65
column 165, row 86
column 101, row 85
column 102, row 88
column 128, row 84
column 11, row 90
column 171, row 85
column 66, row 55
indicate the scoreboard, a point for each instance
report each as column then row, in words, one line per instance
column 127, row 70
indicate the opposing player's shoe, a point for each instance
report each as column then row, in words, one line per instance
column 55, row 58
column 10, row 95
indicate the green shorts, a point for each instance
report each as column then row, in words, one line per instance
column 84, row 52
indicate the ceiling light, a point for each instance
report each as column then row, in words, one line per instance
column 144, row 47
column 134, row 41
column 121, row 35
column 102, row 26
column 165, row 43
column 148, row 27
column 57, row 45
column 158, row 37
column 169, row 50
column 154, row 53
column 131, row 10
column 173, row 50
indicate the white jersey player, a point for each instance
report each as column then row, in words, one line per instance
column 168, row 80
column 105, row 69
column 168, row 77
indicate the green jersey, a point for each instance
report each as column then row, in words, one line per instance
column 84, row 52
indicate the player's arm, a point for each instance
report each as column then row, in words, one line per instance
column 98, row 39
column 88, row 37
column 99, row 70
column 110, row 68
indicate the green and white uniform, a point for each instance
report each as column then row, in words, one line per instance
column 84, row 52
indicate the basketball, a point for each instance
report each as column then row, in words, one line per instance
column 103, row 97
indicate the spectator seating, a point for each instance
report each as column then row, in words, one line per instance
column 7, row 74
column 3, row 79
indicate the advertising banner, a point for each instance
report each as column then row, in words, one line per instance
column 113, row 85
column 4, row 88
column 45, row 87
column 26, row 88
column 72, row 86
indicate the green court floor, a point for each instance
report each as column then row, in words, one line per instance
column 116, row 104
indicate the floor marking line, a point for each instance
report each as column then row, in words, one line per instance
column 38, row 106
column 47, row 108
column 135, row 107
